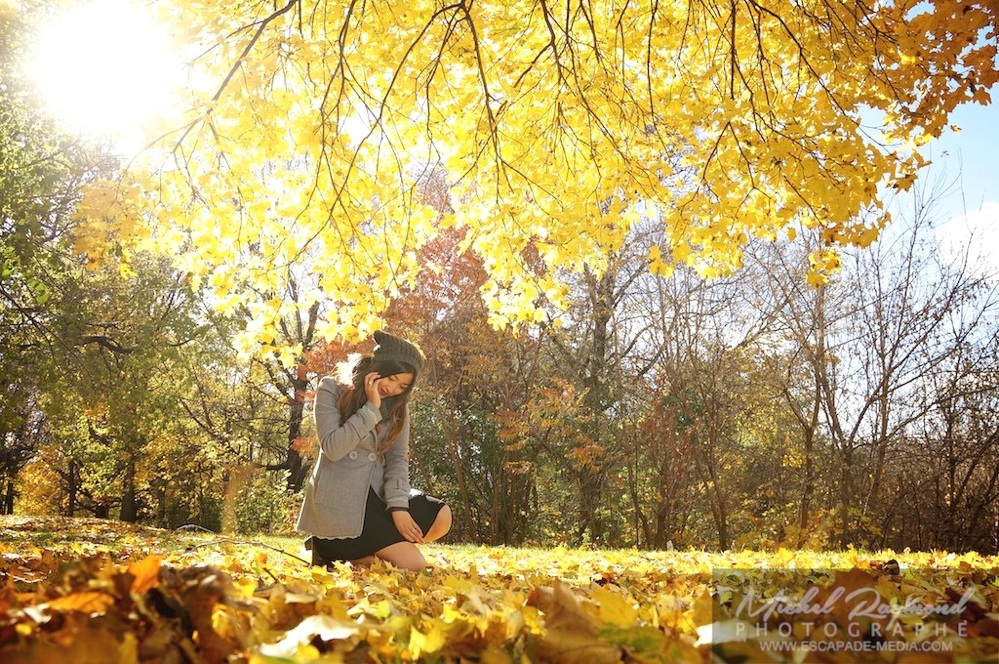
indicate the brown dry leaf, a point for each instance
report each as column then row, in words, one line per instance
column 200, row 590
column 570, row 636
column 841, row 599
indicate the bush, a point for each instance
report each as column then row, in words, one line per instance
column 263, row 505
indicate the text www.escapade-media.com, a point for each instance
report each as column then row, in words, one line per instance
column 788, row 647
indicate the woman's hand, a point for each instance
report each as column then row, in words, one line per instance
column 407, row 527
column 371, row 389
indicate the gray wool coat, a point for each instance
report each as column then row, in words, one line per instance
column 337, row 492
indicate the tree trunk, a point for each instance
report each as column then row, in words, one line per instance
column 453, row 444
column 807, row 487
column 304, row 331
column 71, row 489
column 846, row 496
column 720, row 511
column 8, row 500
column 297, row 471
column 129, row 505
column 715, row 499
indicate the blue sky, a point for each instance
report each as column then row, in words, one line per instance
column 968, row 213
column 972, row 154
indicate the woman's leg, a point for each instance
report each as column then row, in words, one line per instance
column 325, row 552
column 403, row 555
column 406, row 555
column 440, row 526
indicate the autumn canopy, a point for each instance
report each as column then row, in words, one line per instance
column 327, row 142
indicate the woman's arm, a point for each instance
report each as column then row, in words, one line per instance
column 396, row 486
column 336, row 439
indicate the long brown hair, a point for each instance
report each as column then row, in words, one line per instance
column 354, row 396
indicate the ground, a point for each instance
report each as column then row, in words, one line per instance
column 90, row 590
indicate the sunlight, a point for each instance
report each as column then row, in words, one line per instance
column 106, row 69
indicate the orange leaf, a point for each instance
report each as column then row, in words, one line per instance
column 89, row 601
column 146, row 573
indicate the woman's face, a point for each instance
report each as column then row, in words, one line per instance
column 394, row 385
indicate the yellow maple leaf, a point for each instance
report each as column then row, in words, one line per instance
column 146, row 573
column 615, row 609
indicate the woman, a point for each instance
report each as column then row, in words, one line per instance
column 358, row 504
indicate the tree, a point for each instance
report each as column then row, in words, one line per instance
column 660, row 467
column 556, row 128
column 474, row 379
column 42, row 169
column 271, row 381
column 913, row 312
column 957, row 457
column 113, row 379
column 798, row 356
column 869, row 366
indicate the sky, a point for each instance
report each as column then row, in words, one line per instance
column 969, row 210
column 972, row 154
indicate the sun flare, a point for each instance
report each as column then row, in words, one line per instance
column 106, row 68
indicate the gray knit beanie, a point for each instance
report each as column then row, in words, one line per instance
column 400, row 350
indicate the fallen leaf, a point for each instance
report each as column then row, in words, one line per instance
column 615, row 609
column 326, row 628
column 146, row 573
column 570, row 635
column 88, row 601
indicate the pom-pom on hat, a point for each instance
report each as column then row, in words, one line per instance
column 393, row 348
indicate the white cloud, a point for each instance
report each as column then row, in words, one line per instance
column 973, row 238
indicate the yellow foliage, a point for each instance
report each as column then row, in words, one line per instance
column 309, row 137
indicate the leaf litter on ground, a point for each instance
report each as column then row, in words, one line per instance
column 90, row 590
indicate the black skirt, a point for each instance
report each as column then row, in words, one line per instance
column 379, row 530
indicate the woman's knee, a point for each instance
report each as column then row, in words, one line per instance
column 440, row 526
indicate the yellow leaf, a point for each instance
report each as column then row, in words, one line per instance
column 146, row 573
column 431, row 642
column 615, row 609
column 570, row 635
column 88, row 601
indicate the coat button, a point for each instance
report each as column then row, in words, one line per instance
column 353, row 454
column 372, row 456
